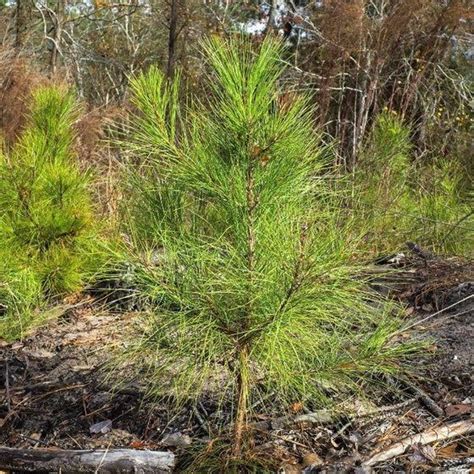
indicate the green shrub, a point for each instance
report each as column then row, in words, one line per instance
column 249, row 271
column 47, row 227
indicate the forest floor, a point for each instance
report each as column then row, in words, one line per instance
column 53, row 394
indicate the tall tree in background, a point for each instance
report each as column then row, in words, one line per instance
column 56, row 16
column 21, row 18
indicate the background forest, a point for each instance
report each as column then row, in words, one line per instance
column 391, row 82
column 227, row 171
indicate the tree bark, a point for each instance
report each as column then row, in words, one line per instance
column 102, row 461
column 21, row 12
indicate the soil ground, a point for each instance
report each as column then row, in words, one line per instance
column 53, row 393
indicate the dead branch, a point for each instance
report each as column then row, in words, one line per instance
column 103, row 461
column 439, row 433
column 318, row 417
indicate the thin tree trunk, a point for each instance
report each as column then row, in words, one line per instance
column 243, row 383
column 172, row 37
column 271, row 14
column 57, row 19
column 20, row 23
column 242, row 400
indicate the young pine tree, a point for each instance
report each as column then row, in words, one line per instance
column 445, row 218
column 46, row 213
column 248, row 270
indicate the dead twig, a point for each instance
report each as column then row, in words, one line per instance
column 28, row 398
column 34, row 440
column 425, row 399
column 47, row 385
column 286, row 439
column 201, row 421
column 386, row 409
column 438, row 433
column 318, row 417
column 416, row 323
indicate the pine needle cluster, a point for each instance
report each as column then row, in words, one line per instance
column 237, row 245
column 46, row 214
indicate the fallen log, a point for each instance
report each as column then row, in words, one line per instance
column 438, row 433
column 103, row 461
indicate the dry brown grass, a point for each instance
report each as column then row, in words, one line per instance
column 17, row 81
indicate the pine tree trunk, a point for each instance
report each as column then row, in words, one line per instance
column 243, row 384
column 242, row 401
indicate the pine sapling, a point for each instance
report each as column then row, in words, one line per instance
column 47, row 221
column 247, row 266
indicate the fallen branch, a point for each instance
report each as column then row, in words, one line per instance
column 439, row 433
column 109, row 461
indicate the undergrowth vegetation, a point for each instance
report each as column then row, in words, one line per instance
column 47, row 228
column 238, row 245
column 20, row 292
column 400, row 198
